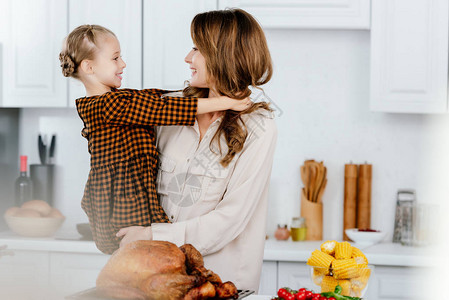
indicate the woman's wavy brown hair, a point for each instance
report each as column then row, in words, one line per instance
column 237, row 56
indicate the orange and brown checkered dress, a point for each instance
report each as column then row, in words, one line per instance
column 121, row 187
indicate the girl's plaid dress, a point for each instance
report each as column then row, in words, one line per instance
column 121, row 187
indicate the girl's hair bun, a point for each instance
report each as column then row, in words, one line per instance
column 67, row 64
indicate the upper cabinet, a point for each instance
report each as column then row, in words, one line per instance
column 409, row 56
column 31, row 37
column 124, row 18
column 306, row 14
column 166, row 41
column 409, row 44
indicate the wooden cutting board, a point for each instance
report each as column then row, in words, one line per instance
column 93, row 294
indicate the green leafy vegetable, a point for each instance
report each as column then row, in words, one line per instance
column 337, row 294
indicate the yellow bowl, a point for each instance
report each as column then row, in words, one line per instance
column 34, row 227
column 354, row 282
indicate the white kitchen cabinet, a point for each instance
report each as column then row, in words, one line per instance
column 393, row 283
column 24, row 275
column 268, row 278
column 166, row 41
column 306, row 14
column 31, row 38
column 47, row 275
column 294, row 275
column 409, row 56
column 72, row 273
column 124, row 18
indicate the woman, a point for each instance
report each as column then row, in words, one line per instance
column 213, row 177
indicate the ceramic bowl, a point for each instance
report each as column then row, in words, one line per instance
column 84, row 230
column 353, row 281
column 365, row 238
column 34, row 227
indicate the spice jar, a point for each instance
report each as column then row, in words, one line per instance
column 282, row 233
column 298, row 229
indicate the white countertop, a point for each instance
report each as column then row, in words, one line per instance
column 388, row 254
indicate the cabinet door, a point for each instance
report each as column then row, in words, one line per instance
column 306, row 14
column 268, row 278
column 124, row 18
column 409, row 61
column 32, row 37
column 71, row 273
column 401, row 283
column 24, row 275
column 295, row 275
column 167, row 41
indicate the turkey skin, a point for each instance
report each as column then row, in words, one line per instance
column 153, row 270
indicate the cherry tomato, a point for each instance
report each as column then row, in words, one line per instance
column 290, row 297
column 324, row 298
column 308, row 295
column 300, row 295
column 316, row 297
column 302, row 290
column 331, row 298
column 282, row 293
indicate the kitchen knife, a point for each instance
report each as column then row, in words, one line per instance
column 42, row 150
column 52, row 149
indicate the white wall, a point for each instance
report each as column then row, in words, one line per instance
column 321, row 84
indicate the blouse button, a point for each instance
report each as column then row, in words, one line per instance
column 188, row 159
column 171, row 217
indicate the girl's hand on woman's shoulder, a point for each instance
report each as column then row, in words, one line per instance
column 134, row 233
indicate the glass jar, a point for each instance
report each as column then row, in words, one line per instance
column 298, row 229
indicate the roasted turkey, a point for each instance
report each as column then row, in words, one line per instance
column 153, row 270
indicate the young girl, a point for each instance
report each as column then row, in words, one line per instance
column 119, row 126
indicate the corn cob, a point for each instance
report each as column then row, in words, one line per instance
column 345, row 287
column 328, row 247
column 344, row 268
column 317, row 276
column 355, row 293
column 343, row 250
column 359, row 282
column 320, row 259
column 328, row 284
column 359, row 257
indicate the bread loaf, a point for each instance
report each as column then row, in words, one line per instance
column 38, row 205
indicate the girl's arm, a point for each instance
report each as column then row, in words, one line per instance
column 206, row 105
column 152, row 107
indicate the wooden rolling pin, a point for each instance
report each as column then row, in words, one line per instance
column 350, row 199
column 364, row 196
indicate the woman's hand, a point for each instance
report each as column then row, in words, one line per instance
column 239, row 105
column 134, row 233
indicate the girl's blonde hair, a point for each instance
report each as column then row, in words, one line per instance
column 236, row 54
column 80, row 44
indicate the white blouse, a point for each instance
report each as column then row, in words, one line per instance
column 220, row 211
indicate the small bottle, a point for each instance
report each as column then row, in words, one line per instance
column 298, row 229
column 23, row 184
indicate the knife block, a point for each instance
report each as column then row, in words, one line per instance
column 313, row 213
column 42, row 178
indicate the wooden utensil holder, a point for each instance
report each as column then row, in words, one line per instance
column 313, row 213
